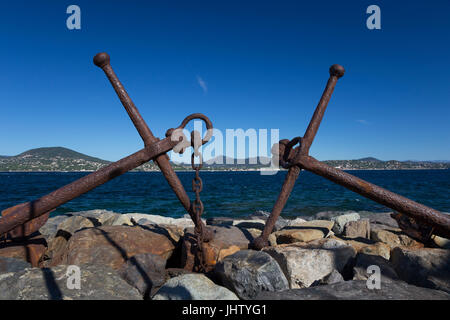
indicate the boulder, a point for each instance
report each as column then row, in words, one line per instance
column 341, row 221
column 30, row 250
column 364, row 261
column 122, row 220
column 114, row 245
column 248, row 272
column 240, row 223
column 96, row 283
column 145, row 271
column 54, row 254
column 425, row 267
column 295, row 222
column 72, row 224
column 50, row 228
column 362, row 245
column 297, row 235
column 394, row 238
column 357, row 229
column 193, row 287
column 156, row 219
column 99, row 217
column 331, row 278
column 380, row 218
column 226, row 241
column 441, row 242
column 12, row 265
column 357, row 290
column 264, row 215
column 305, row 263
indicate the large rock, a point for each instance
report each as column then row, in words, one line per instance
column 145, row 272
column 113, row 245
column 362, row 245
column 302, row 232
column 357, row 229
column 341, row 221
column 364, row 261
column 54, row 254
column 240, row 223
column 50, row 228
column 305, row 263
column 357, row 290
column 96, row 283
column 394, row 238
column 99, row 217
column 72, row 224
column 423, row 267
column 193, row 287
column 249, row 272
column 441, row 242
column 30, row 250
column 12, row 265
column 226, row 241
column 140, row 218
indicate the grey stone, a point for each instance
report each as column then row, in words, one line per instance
column 357, row 290
column 12, row 265
column 357, row 229
column 248, row 272
column 425, row 267
column 96, row 283
column 145, row 272
column 193, row 287
column 333, row 277
column 363, row 261
column 340, row 221
column 50, row 228
column 305, row 263
column 72, row 224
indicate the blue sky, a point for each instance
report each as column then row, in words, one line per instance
column 253, row 64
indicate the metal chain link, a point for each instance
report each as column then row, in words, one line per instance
column 197, row 209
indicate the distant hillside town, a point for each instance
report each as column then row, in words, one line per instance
column 59, row 159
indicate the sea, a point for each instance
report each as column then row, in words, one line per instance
column 229, row 194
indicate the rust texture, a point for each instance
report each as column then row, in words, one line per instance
column 24, row 219
column 296, row 159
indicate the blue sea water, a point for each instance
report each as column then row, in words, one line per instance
column 233, row 194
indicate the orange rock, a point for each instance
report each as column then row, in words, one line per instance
column 30, row 250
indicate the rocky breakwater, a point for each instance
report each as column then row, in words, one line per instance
column 142, row 256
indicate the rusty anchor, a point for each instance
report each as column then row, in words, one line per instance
column 25, row 219
column 298, row 158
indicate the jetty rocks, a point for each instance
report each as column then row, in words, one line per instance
column 103, row 255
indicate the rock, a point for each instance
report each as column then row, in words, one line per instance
column 99, row 217
column 54, row 255
column 357, row 229
column 394, row 238
column 175, row 272
column 331, row 278
column 296, row 235
column 363, row 261
column 426, row 267
column 263, row 215
column 340, row 221
column 12, row 265
column 295, row 222
column 113, row 245
column 381, row 218
column 441, row 242
column 305, row 263
column 96, row 283
column 155, row 219
column 122, row 220
column 145, row 272
column 302, row 232
column 49, row 229
column 30, row 250
column 226, row 240
column 193, row 287
column 72, row 224
column 377, row 249
column 171, row 231
column 240, row 223
column 249, row 272
column 357, row 290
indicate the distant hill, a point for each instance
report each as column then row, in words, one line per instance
column 63, row 159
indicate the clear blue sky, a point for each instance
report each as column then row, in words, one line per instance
column 264, row 65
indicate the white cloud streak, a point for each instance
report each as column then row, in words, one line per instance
column 202, row 84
